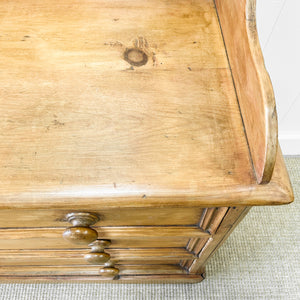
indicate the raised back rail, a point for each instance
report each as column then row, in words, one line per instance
column 252, row 82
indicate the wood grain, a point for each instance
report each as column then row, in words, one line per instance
column 79, row 121
column 97, row 255
column 231, row 220
column 128, row 111
column 89, row 270
column 173, row 278
column 252, row 83
column 133, row 256
column 278, row 191
column 121, row 237
column 80, row 235
column 108, row 216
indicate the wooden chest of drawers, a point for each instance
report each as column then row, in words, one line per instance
column 135, row 136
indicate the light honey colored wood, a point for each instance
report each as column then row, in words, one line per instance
column 89, row 270
column 174, row 278
column 252, row 82
column 79, row 121
column 142, row 232
column 133, row 256
column 231, row 220
column 121, row 237
column 278, row 191
column 108, row 216
column 211, row 220
column 217, row 218
column 134, row 122
column 195, row 245
column 206, row 217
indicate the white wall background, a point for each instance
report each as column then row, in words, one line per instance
column 278, row 23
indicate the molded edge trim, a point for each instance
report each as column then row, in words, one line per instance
column 279, row 191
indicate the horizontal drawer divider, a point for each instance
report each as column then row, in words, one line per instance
column 133, row 252
column 57, row 257
column 111, row 232
column 107, row 226
column 90, row 270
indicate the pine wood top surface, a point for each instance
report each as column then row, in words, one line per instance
column 106, row 99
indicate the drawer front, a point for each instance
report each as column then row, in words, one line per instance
column 121, row 237
column 134, row 256
column 90, row 270
column 108, row 217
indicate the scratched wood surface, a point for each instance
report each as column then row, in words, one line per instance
column 90, row 270
column 77, row 117
column 121, row 237
column 252, row 82
column 278, row 191
column 134, row 256
column 113, row 106
column 165, row 278
column 108, row 216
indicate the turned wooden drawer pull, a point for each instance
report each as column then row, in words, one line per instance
column 98, row 256
column 80, row 233
column 109, row 270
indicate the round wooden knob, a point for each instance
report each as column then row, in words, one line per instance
column 109, row 270
column 97, row 254
column 81, row 233
column 97, row 258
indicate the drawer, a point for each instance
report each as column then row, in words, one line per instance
column 121, row 237
column 140, row 256
column 90, row 270
column 108, row 217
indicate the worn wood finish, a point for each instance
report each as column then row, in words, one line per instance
column 110, row 270
column 51, row 238
column 133, row 256
column 97, row 255
column 174, row 278
column 81, row 233
column 252, row 82
column 143, row 232
column 89, row 270
column 231, row 220
column 108, row 216
column 121, row 120
column 84, row 123
column 278, row 191
column 211, row 221
column 212, row 218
